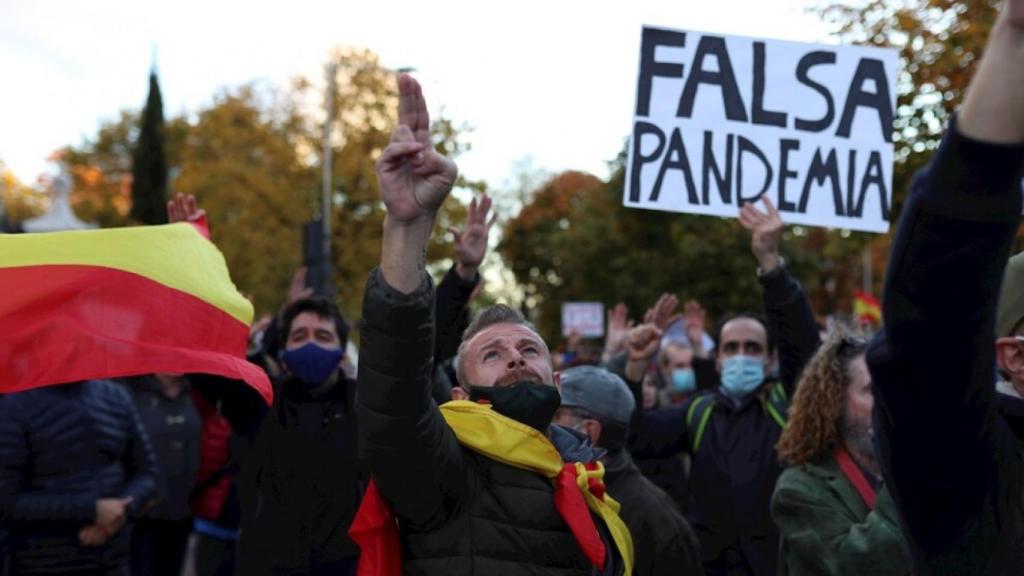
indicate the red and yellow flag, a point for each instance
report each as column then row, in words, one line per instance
column 96, row 304
column 866, row 309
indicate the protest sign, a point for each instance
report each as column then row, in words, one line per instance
column 722, row 120
column 587, row 318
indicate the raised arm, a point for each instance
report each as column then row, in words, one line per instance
column 942, row 447
column 790, row 318
column 401, row 431
column 458, row 285
column 661, row 432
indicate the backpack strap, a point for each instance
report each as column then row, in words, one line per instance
column 777, row 404
column 697, row 418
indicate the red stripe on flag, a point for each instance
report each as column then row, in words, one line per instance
column 66, row 323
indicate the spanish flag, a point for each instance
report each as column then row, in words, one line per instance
column 866, row 309
column 96, row 304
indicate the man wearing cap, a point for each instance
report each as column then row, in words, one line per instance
column 598, row 403
column 1010, row 334
column 949, row 444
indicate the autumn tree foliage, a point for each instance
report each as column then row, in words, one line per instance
column 252, row 157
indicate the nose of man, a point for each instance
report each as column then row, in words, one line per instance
column 516, row 360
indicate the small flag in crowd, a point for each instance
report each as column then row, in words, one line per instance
column 866, row 309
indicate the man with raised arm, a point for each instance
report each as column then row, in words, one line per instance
column 485, row 486
column 730, row 432
column 950, row 449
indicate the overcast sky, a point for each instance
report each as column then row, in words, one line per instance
column 553, row 81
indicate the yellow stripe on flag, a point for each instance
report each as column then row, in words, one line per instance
column 175, row 255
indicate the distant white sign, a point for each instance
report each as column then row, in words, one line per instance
column 587, row 318
column 722, row 120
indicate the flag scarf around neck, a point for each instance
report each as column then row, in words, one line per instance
column 579, row 490
column 94, row 304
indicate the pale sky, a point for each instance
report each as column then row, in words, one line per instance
column 553, row 81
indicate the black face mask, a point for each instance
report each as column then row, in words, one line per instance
column 527, row 402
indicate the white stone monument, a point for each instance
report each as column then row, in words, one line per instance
column 59, row 216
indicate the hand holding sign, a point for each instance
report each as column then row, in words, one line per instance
column 766, row 232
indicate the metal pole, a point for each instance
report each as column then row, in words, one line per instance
column 328, row 170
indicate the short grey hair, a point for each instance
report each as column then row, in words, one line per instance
column 496, row 314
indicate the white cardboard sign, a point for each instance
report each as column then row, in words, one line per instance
column 722, row 120
column 587, row 318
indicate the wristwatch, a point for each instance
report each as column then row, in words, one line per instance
column 761, row 273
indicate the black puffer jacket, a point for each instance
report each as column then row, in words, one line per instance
column 664, row 544
column 459, row 512
column 62, row 448
column 300, row 485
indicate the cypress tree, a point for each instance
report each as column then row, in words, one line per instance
column 149, row 162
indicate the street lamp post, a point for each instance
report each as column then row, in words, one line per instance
column 328, row 171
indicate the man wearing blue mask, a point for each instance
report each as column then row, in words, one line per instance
column 730, row 432
column 300, row 479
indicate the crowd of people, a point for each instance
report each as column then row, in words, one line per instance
column 453, row 443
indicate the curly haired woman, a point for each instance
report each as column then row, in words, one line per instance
column 833, row 513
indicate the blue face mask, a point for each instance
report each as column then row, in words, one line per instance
column 741, row 375
column 683, row 380
column 312, row 363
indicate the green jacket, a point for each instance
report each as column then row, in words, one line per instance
column 826, row 528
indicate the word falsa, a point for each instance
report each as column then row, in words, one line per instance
column 722, row 120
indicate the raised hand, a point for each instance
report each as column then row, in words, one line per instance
column 642, row 344
column 695, row 321
column 298, row 290
column 414, row 178
column 184, row 209
column 993, row 107
column 471, row 241
column 765, row 232
column 619, row 326
column 664, row 313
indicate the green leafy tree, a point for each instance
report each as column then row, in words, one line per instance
column 940, row 43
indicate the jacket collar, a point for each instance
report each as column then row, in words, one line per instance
column 572, row 445
column 828, row 470
column 1012, row 410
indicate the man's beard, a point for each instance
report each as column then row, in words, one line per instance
column 860, row 442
